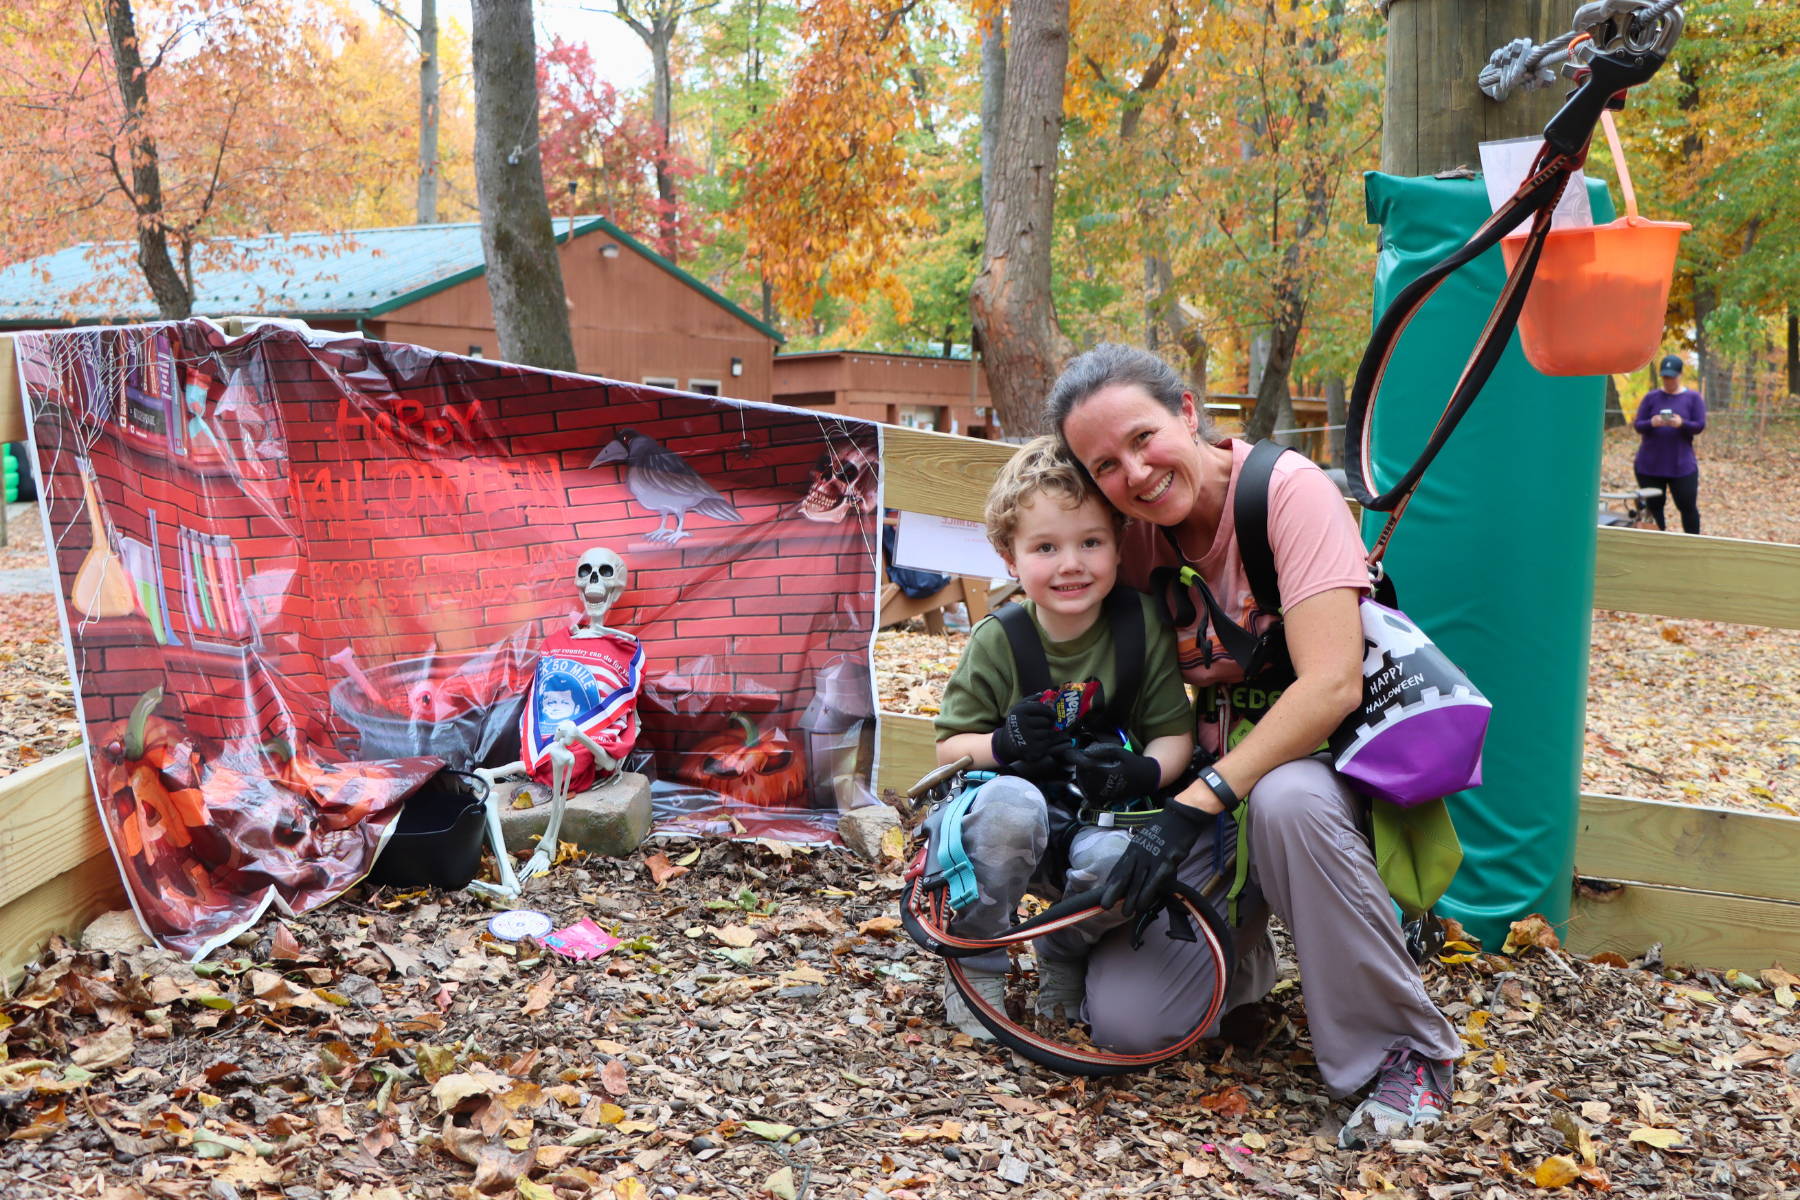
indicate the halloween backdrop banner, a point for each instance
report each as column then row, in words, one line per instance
column 302, row 573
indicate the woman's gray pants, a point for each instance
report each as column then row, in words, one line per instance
column 1309, row 864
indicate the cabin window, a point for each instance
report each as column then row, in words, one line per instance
column 663, row 381
column 928, row 417
column 704, row 387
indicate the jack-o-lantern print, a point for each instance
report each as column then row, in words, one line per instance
column 749, row 764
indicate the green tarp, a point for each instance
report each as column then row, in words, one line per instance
column 1495, row 558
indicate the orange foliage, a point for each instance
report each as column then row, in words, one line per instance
column 831, row 190
column 242, row 112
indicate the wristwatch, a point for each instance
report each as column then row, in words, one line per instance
column 1212, row 779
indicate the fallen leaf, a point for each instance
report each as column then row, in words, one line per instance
column 1533, row 931
column 103, row 1050
column 662, row 871
column 612, row 1078
column 768, row 1129
column 538, row 999
column 435, row 1062
column 1597, row 1111
column 879, row 926
column 893, row 843
column 1228, row 1102
column 737, row 936
column 451, row 1090
column 534, row 1191
column 285, row 947
column 48, row 1123
column 247, row 1168
column 950, row 1131
column 1559, row 1170
column 630, row 1188
column 1662, row 1139
column 1254, row 1140
column 497, row 1168
column 781, row 1184
column 689, row 859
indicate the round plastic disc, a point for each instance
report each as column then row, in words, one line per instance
column 520, row 922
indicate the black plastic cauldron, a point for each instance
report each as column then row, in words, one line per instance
column 437, row 840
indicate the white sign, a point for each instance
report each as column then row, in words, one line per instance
column 1504, row 166
column 947, row 546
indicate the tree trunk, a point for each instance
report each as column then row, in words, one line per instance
column 428, row 112
column 1714, row 372
column 1272, row 389
column 1793, row 352
column 174, row 300
column 1015, row 315
column 524, row 275
column 1435, row 114
column 1615, row 412
column 657, row 32
column 993, row 98
column 1335, row 409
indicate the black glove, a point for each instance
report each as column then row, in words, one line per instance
column 1110, row 774
column 1029, row 737
column 1145, row 874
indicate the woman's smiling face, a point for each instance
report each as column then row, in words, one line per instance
column 1144, row 457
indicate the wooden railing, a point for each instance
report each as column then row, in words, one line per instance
column 1707, row 883
column 1715, row 886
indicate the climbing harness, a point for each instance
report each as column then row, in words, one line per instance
column 1615, row 45
column 928, row 907
column 941, row 881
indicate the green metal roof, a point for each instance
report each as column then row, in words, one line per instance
column 361, row 274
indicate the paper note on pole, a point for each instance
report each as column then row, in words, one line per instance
column 1504, row 166
column 947, row 546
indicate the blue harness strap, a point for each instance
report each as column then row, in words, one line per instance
column 953, row 861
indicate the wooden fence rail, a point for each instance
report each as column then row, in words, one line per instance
column 1708, row 883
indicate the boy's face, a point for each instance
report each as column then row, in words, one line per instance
column 1066, row 559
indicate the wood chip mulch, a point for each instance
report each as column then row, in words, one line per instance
column 764, row 1031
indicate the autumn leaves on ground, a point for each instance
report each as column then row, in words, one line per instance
column 765, row 1031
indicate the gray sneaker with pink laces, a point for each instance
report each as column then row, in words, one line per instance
column 1410, row 1091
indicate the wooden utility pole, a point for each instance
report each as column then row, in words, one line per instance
column 1435, row 115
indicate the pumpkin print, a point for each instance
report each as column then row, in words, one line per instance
column 750, row 765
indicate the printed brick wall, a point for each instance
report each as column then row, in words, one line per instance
column 403, row 504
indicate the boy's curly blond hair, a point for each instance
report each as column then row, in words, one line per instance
column 1043, row 466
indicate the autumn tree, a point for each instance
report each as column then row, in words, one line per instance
column 524, row 273
column 592, row 137
column 159, row 137
column 828, row 191
column 656, row 22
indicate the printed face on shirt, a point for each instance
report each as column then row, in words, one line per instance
column 557, row 706
column 1142, row 455
column 1066, row 560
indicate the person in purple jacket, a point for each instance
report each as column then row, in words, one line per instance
column 1667, row 420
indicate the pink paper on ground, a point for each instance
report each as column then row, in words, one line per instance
column 584, row 939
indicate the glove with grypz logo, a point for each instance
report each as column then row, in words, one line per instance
column 1145, row 874
column 1110, row 774
column 1028, row 743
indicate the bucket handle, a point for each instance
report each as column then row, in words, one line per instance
column 1618, row 155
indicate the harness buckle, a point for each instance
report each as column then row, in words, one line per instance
column 1105, row 819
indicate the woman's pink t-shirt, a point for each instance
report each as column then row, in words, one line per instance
column 1316, row 548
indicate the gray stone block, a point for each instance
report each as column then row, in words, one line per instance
column 610, row 819
column 861, row 829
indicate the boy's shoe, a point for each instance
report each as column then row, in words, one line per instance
column 1410, row 1091
column 1061, row 985
column 990, row 986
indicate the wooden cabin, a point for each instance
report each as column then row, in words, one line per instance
column 634, row 315
column 937, row 395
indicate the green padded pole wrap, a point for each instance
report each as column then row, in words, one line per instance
column 1495, row 556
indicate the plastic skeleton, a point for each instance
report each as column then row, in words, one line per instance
column 600, row 579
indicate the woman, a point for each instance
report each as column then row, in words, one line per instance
column 1127, row 417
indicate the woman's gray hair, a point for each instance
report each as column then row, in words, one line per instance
column 1110, row 364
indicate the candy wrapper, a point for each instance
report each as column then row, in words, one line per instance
column 584, row 939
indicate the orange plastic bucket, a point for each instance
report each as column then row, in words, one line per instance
column 1600, row 295
column 1597, row 303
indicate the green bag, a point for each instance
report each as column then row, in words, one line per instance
column 1416, row 851
column 1417, row 854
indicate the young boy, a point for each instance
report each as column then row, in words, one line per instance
column 1060, row 539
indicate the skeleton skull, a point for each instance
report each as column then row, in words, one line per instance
column 842, row 484
column 600, row 578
